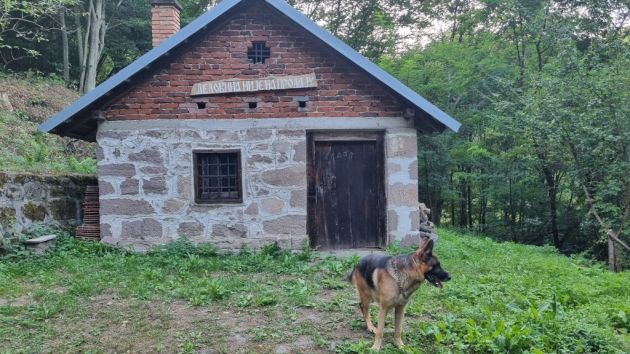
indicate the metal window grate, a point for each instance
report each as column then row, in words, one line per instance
column 258, row 53
column 217, row 177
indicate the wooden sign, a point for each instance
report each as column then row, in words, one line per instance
column 252, row 85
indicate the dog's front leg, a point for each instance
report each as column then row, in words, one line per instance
column 378, row 337
column 398, row 323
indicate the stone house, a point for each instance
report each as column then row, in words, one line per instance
column 253, row 125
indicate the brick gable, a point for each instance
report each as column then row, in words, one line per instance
column 343, row 89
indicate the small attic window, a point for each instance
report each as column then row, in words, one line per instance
column 201, row 105
column 258, row 53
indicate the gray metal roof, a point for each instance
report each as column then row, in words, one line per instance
column 74, row 116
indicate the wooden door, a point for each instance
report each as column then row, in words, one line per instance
column 345, row 191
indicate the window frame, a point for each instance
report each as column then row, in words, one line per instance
column 258, row 53
column 239, row 177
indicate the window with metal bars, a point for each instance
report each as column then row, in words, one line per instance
column 218, row 177
column 258, row 53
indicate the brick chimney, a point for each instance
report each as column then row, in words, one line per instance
column 164, row 19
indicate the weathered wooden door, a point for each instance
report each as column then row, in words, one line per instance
column 346, row 204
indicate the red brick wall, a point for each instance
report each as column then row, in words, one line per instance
column 164, row 22
column 343, row 90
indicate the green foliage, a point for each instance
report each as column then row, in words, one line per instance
column 22, row 22
column 514, row 298
column 541, row 93
column 504, row 297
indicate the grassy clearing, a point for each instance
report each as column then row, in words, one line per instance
column 504, row 298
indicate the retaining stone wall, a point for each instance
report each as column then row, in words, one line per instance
column 28, row 198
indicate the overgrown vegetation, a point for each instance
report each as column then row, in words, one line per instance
column 179, row 298
column 12, row 243
column 22, row 147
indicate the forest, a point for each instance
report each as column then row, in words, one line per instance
column 540, row 86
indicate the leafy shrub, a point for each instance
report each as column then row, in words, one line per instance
column 272, row 250
column 202, row 291
column 184, row 248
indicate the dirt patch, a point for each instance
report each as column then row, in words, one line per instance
column 28, row 298
column 109, row 323
column 17, row 301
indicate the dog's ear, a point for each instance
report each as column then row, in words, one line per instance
column 425, row 252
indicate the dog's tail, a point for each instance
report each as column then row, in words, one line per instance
column 348, row 277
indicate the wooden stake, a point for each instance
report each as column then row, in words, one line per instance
column 611, row 254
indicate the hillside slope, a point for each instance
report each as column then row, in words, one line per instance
column 504, row 298
column 22, row 148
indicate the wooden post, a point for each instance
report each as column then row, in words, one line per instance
column 611, row 254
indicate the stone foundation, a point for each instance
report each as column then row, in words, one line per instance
column 146, row 180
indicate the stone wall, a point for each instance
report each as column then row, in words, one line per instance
column 147, row 193
column 29, row 198
column 401, row 152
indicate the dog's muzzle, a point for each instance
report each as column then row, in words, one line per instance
column 435, row 280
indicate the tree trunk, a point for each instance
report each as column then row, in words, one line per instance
column 436, row 212
column 462, row 204
column 452, row 202
column 469, row 205
column 483, row 203
column 426, row 183
column 80, row 47
column 552, row 191
column 512, row 217
column 611, row 254
column 64, row 46
column 94, row 43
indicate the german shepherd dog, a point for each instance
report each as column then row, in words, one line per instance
column 390, row 281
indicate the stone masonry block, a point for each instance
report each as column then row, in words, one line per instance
column 413, row 170
column 402, row 146
column 147, row 155
column 298, row 199
column 286, row 177
column 155, row 185
column 286, row 225
column 105, row 188
column 272, row 205
column 130, row 186
column 392, row 220
column 252, row 209
column 191, row 228
column 403, row 195
column 121, row 170
column 236, row 231
column 141, row 229
column 126, row 207
column 300, row 152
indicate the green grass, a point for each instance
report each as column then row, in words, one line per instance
column 86, row 297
